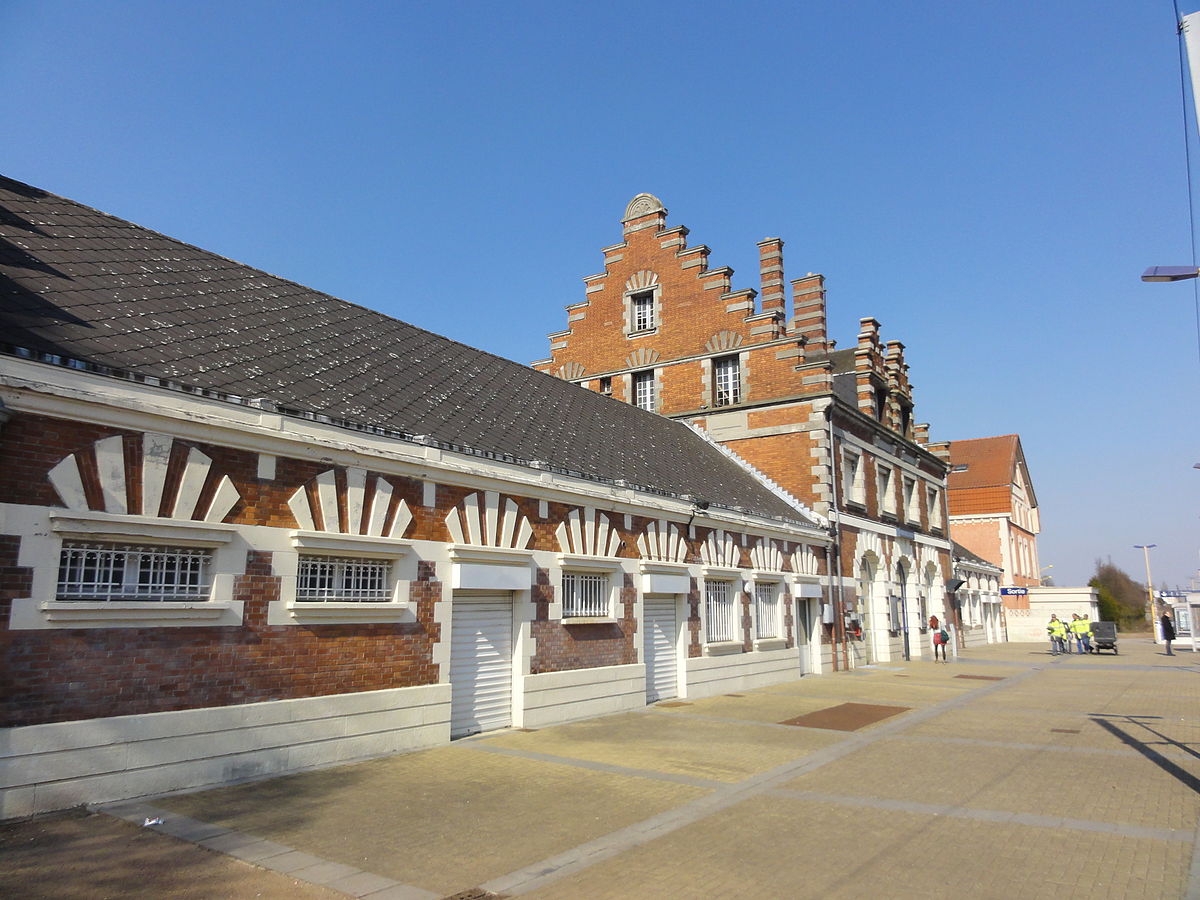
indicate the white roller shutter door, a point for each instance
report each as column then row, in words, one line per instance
column 662, row 678
column 481, row 647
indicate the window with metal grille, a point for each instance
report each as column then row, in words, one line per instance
column 585, row 595
column 343, row 579
column 766, row 610
column 718, row 597
column 643, row 390
column 727, row 381
column 643, row 310
column 95, row 571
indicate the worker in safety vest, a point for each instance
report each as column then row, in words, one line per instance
column 1081, row 629
column 1058, row 635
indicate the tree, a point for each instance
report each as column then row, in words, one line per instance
column 1122, row 600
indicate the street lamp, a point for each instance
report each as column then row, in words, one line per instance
column 1146, row 548
column 1170, row 273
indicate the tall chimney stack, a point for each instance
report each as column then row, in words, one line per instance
column 808, row 311
column 770, row 270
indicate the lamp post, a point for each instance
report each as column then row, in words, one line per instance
column 1146, row 548
column 1170, row 273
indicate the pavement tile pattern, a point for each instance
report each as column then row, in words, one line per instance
column 1068, row 777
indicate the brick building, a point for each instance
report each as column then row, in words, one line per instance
column 994, row 510
column 248, row 528
column 758, row 372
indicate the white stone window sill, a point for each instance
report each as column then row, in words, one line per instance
column 642, row 332
column 589, row 620
column 350, row 545
column 723, row 648
column 89, row 525
column 149, row 612
column 384, row 612
column 770, row 644
column 576, row 563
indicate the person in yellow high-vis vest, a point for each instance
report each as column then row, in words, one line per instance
column 1058, row 635
column 1081, row 630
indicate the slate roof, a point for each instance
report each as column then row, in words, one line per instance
column 84, row 285
column 985, row 485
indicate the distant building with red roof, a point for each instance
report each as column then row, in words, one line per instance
column 993, row 507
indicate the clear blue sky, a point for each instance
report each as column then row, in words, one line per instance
column 988, row 179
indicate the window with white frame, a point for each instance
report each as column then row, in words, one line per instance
column 642, row 309
column 766, row 611
column 895, row 618
column 643, row 390
column 912, row 500
column 935, row 508
column 727, row 381
column 854, row 472
column 585, row 595
column 719, row 608
column 887, row 495
column 343, row 579
column 104, row 571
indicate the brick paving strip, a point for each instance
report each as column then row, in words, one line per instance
column 989, row 815
column 269, row 855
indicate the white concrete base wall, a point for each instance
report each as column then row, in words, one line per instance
column 826, row 651
column 711, row 675
column 55, row 766
column 556, row 697
column 1030, row 625
column 974, row 636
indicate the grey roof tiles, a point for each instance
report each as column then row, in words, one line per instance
column 85, row 285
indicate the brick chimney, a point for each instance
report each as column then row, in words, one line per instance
column 867, row 375
column 808, row 311
column 770, row 272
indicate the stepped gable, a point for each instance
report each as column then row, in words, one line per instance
column 86, row 286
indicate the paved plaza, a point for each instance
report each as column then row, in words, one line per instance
column 1006, row 773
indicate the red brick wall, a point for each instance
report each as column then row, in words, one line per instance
column 562, row 647
column 81, row 673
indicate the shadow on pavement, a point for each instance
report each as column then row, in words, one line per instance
column 1144, row 748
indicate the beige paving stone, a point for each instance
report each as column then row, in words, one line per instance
column 721, row 751
column 978, row 722
column 781, row 847
column 1130, row 792
column 444, row 820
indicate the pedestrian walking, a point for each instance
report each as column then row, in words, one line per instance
column 1168, row 631
column 940, row 639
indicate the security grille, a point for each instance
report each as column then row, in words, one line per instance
column 125, row 572
column 342, row 579
column 584, row 595
column 643, row 390
column 766, row 610
column 728, row 381
column 719, row 606
column 643, row 311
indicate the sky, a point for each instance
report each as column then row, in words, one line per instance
column 987, row 179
